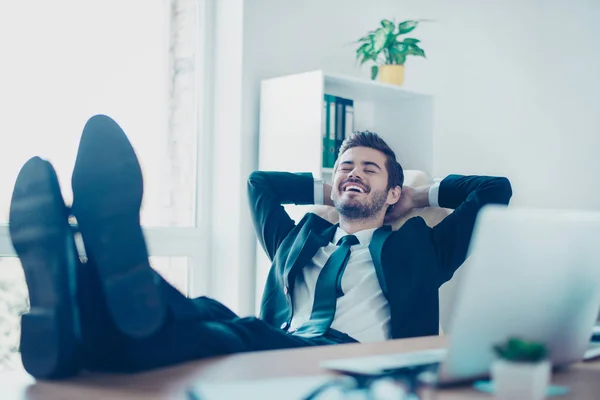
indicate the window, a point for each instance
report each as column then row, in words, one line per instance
column 72, row 59
column 13, row 303
column 136, row 61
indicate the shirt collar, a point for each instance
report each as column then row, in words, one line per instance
column 364, row 236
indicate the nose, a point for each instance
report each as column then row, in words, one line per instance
column 354, row 173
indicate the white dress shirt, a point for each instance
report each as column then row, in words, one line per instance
column 363, row 311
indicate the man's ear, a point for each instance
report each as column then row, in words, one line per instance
column 394, row 195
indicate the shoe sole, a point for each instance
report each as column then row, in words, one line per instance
column 107, row 196
column 43, row 240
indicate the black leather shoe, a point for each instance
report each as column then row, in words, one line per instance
column 107, row 196
column 44, row 242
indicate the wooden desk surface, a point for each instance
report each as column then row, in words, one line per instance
column 171, row 383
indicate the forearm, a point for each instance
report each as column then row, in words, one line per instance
column 466, row 195
column 456, row 189
column 277, row 188
column 267, row 191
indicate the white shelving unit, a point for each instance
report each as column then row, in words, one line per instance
column 291, row 113
column 291, row 137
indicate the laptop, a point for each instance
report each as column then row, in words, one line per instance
column 532, row 273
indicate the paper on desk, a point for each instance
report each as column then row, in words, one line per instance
column 265, row 389
column 378, row 364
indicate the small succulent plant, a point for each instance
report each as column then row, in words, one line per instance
column 519, row 350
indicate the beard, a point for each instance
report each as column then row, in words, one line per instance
column 353, row 209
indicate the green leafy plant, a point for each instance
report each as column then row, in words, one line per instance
column 519, row 350
column 384, row 45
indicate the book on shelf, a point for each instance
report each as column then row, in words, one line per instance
column 328, row 129
column 338, row 123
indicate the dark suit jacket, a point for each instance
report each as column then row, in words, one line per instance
column 411, row 263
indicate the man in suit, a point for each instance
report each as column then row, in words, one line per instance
column 348, row 282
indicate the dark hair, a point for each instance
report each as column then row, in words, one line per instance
column 374, row 141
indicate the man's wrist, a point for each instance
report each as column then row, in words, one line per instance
column 421, row 196
column 327, row 194
column 434, row 192
column 322, row 193
column 318, row 192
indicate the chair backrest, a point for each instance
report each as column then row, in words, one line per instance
column 432, row 217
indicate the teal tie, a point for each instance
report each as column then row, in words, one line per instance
column 326, row 291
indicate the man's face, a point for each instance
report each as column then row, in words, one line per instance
column 359, row 189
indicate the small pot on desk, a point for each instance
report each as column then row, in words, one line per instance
column 520, row 380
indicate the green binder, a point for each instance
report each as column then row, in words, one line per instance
column 329, row 131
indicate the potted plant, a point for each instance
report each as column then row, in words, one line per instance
column 388, row 51
column 521, row 370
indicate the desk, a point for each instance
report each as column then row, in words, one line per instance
column 170, row 383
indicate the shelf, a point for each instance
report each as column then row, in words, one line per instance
column 368, row 90
column 291, row 120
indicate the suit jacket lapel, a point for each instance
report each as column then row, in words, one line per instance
column 304, row 250
column 376, row 249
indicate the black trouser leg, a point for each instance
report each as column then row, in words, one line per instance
column 201, row 308
column 103, row 341
column 186, row 340
column 194, row 329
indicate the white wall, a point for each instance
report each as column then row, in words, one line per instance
column 524, row 101
column 515, row 82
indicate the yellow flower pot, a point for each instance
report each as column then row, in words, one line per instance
column 393, row 74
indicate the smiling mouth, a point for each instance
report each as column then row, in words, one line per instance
column 354, row 188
